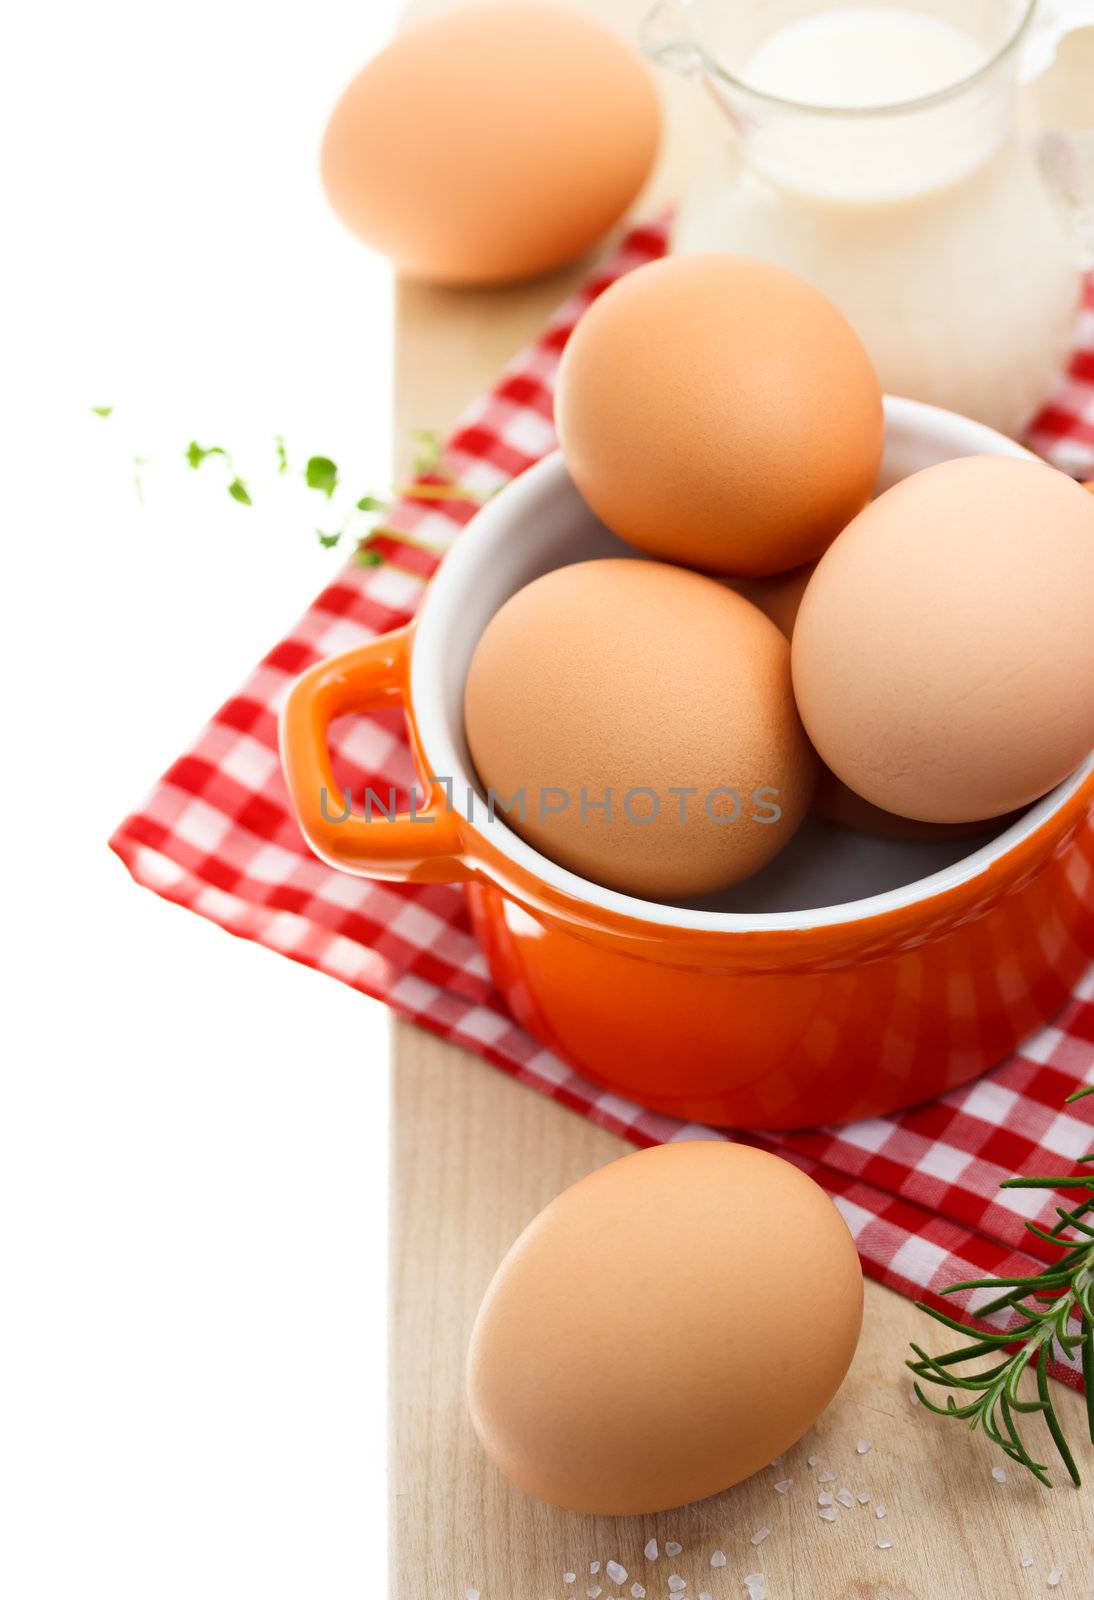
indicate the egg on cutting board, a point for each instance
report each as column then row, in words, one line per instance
column 659, row 1332
column 718, row 411
column 644, row 714
column 943, row 653
column 492, row 143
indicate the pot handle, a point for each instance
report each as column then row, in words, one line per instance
column 415, row 846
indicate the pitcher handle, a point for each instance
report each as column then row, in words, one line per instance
column 666, row 37
column 1066, row 154
column 1067, row 159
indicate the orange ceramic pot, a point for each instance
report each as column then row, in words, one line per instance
column 852, row 976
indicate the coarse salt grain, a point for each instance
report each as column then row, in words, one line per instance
column 785, row 1486
column 594, row 1592
column 826, row 1499
column 673, row 1549
column 880, row 1511
column 472, row 1594
column 718, row 1559
column 1054, row 1577
column 594, row 1567
column 863, row 1447
column 615, row 1572
column 760, row 1535
column 998, row 1474
column 845, row 1498
column 828, row 1513
column 864, row 1499
column 569, row 1577
column 1027, row 1561
column 638, row 1591
column 827, row 1477
column 753, row 1578
column 651, row 1550
column 885, row 1544
column 704, row 1594
column 814, row 1461
column 677, row 1584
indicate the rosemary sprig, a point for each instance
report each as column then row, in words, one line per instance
column 1055, row 1311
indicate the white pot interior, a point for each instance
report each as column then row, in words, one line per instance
column 826, row 874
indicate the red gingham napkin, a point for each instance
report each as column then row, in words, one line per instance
column 919, row 1190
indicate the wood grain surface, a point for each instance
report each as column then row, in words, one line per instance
column 476, row 1155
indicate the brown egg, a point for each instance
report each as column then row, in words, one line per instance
column 718, row 411
column 492, row 143
column 834, row 802
column 779, row 598
column 943, row 653
column 657, row 692
column 666, row 1327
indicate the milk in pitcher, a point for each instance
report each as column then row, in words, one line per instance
column 877, row 154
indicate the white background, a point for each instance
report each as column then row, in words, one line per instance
column 192, row 1130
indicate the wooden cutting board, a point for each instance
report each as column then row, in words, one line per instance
column 476, row 1155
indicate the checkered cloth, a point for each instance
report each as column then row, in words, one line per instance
column 919, row 1190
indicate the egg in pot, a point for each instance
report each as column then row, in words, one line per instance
column 659, row 1332
column 834, row 802
column 645, row 717
column 718, row 411
column 779, row 597
column 943, row 653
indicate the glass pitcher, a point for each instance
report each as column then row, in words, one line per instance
column 952, row 241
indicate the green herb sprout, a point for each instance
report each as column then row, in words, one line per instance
column 364, row 522
column 321, row 473
column 1056, row 1312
